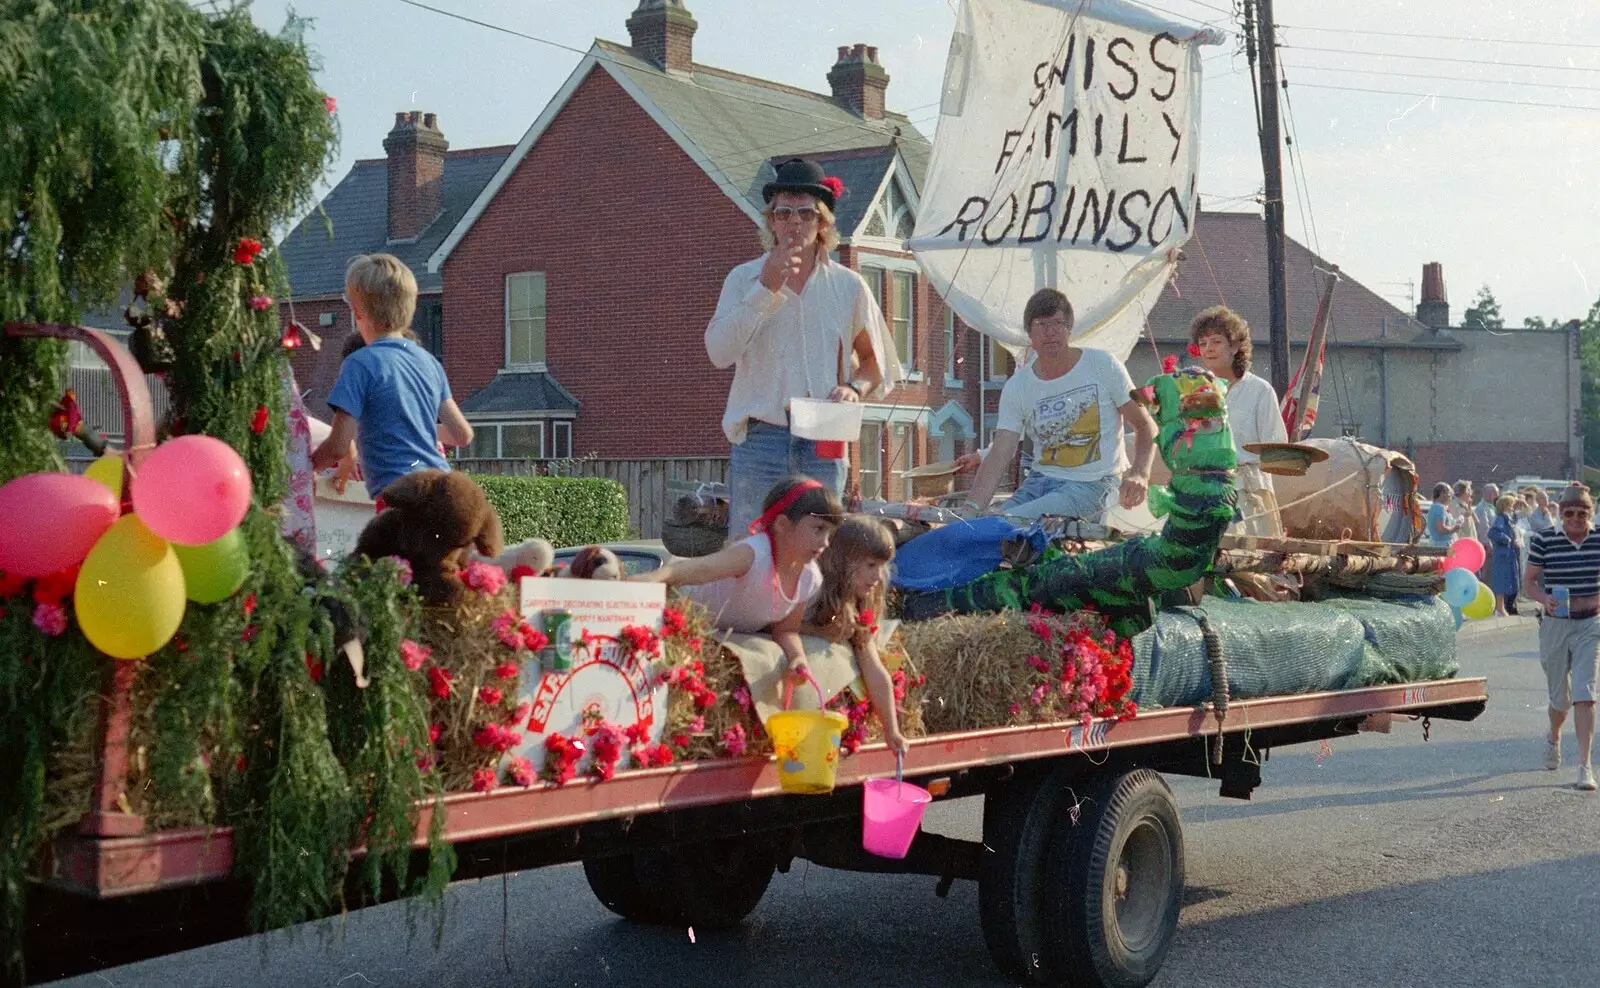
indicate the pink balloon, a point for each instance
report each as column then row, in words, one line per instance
column 50, row 521
column 192, row 490
column 1467, row 553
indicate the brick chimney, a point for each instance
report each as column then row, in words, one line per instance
column 858, row 81
column 416, row 172
column 663, row 34
column 1434, row 309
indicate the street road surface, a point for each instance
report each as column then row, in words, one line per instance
column 1383, row 861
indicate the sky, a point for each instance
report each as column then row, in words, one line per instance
column 1501, row 193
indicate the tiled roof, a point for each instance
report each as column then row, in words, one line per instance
column 358, row 211
column 512, row 393
column 1225, row 263
column 742, row 123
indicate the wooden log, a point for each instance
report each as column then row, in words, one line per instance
column 1256, row 561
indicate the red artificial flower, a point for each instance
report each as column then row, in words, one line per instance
column 1169, row 363
column 483, row 780
column 414, row 655
column 524, row 709
column 439, row 682
column 331, row 103
column 296, row 335
column 533, row 639
column 55, row 588
column 249, row 604
column 486, row 578
column 521, row 570
column 12, row 586
column 636, row 733
column 434, row 730
column 260, row 303
column 314, row 667
column 681, row 740
column 490, row 695
column 180, row 644
column 249, row 633
column 1194, row 349
column 239, row 766
column 246, row 251
column 506, row 670
column 638, row 638
column 66, row 419
column 258, row 422
column 402, row 568
column 673, row 622
column 521, row 772
column 488, row 736
column 506, row 629
column 734, row 740
column 833, row 184
column 50, row 619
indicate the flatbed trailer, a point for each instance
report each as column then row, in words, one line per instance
column 1080, row 869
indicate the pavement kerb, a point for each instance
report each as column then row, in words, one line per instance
column 1490, row 626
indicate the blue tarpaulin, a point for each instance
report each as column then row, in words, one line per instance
column 953, row 554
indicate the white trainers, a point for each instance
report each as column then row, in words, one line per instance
column 1586, row 778
column 1552, row 755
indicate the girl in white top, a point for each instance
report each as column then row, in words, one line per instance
column 1222, row 339
column 763, row 583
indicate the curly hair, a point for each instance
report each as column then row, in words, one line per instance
column 1219, row 320
column 859, row 538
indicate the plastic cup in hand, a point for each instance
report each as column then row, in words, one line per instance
column 1563, row 598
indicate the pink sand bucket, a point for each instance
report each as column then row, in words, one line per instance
column 891, row 814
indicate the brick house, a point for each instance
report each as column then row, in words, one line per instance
column 567, row 281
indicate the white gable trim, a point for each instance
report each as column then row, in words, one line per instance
column 908, row 188
column 508, row 167
column 952, row 412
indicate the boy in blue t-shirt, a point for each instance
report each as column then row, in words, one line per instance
column 394, row 389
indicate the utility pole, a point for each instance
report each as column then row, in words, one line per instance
column 1266, row 45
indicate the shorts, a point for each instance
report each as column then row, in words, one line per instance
column 1570, row 653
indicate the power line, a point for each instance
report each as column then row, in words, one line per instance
column 1444, row 78
column 1443, row 37
column 1427, row 58
column 1464, row 99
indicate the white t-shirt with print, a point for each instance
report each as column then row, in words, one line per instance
column 1072, row 419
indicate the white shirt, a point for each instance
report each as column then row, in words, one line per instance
column 784, row 344
column 749, row 603
column 1253, row 416
column 1073, row 419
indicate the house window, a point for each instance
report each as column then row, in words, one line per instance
column 901, row 459
column 902, row 322
column 997, row 360
column 952, row 370
column 429, row 324
column 525, row 318
column 874, row 278
column 871, row 465
column 535, row 439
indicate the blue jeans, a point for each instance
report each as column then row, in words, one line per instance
column 768, row 454
column 1041, row 495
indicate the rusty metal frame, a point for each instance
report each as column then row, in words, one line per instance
column 109, row 817
column 109, row 867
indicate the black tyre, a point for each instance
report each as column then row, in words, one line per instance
column 1115, row 884
column 615, row 882
column 711, row 885
column 1019, row 823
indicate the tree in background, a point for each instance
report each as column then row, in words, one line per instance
column 1589, row 358
column 1539, row 322
column 1484, row 312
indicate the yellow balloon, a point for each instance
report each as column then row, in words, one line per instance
column 1482, row 605
column 108, row 471
column 130, row 594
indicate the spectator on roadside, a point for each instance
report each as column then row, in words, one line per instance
column 793, row 323
column 1568, row 557
column 1441, row 523
column 1504, row 565
column 1541, row 517
column 1466, row 521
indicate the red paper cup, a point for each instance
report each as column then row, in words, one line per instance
column 830, row 449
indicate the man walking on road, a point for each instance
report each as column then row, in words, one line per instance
column 1567, row 557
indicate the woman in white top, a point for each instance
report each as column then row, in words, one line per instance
column 1223, row 339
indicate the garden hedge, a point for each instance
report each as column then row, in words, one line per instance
column 567, row 511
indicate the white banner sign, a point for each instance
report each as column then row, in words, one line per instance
column 1066, row 157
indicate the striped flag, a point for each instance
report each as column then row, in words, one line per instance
column 1292, row 413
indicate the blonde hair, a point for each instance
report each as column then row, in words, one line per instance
column 1504, row 503
column 1219, row 320
column 385, row 288
column 859, row 538
column 827, row 231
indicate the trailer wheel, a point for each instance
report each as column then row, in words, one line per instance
column 615, row 882
column 1115, row 881
column 711, row 885
column 1019, row 823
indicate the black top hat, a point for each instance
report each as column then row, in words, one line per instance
column 800, row 175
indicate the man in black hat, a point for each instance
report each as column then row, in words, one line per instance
column 794, row 323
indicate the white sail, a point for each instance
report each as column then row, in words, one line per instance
column 1066, row 157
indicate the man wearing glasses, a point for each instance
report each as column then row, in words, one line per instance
column 1563, row 576
column 794, row 323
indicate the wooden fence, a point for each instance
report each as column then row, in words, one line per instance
column 645, row 481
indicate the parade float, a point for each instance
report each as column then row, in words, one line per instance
column 190, row 698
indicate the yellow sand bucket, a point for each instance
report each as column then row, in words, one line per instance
column 806, row 743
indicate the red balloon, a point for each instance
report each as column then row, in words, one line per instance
column 192, row 490
column 50, row 521
column 1467, row 553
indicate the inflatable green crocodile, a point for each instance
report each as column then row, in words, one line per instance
column 1194, row 440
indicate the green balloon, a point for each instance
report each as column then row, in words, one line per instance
column 214, row 571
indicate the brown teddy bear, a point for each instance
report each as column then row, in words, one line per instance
column 433, row 520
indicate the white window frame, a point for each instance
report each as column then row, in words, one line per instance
column 870, row 452
column 561, row 439
column 952, row 370
column 908, row 352
column 991, row 381
column 555, row 434
column 534, row 365
column 902, row 442
column 540, row 425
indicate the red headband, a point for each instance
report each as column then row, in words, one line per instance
column 783, row 504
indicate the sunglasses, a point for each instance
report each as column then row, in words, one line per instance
column 804, row 214
column 1574, row 512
